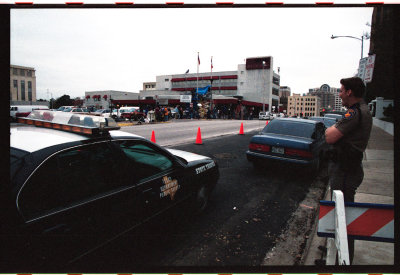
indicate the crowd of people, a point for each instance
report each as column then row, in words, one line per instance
column 232, row 111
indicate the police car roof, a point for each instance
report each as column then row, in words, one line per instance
column 31, row 138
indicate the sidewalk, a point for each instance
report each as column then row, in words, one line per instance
column 377, row 187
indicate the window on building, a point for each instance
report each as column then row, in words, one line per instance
column 15, row 71
column 30, row 90
column 241, row 72
column 22, row 90
column 22, row 72
column 29, row 73
column 166, row 80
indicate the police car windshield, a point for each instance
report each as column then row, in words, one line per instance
column 290, row 128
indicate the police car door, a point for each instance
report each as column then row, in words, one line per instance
column 160, row 178
column 76, row 200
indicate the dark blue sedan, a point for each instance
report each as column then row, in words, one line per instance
column 328, row 121
column 289, row 140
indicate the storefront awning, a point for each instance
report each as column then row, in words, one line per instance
column 254, row 104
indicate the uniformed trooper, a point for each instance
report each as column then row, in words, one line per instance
column 349, row 138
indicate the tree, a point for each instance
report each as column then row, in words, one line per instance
column 64, row 100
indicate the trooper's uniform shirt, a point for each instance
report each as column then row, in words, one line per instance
column 356, row 126
column 347, row 174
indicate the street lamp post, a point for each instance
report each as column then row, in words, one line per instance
column 361, row 39
column 263, row 91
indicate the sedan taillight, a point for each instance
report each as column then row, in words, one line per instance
column 259, row 147
column 298, row 153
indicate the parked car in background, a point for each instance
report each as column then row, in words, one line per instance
column 336, row 116
column 102, row 112
column 327, row 121
column 76, row 110
column 17, row 111
column 133, row 113
column 62, row 108
column 289, row 140
column 264, row 115
column 77, row 183
column 116, row 113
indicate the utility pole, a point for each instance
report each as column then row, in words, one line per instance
column 263, row 90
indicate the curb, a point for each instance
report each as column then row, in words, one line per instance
column 296, row 238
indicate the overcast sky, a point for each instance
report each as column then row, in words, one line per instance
column 80, row 50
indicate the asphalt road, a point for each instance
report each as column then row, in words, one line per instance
column 247, row 212
column 179, row 131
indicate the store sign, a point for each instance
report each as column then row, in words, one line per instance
column 186, row 98
column 369, row 68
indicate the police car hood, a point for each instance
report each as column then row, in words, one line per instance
column 189, row 157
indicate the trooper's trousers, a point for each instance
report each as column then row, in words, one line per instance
column 347, row 180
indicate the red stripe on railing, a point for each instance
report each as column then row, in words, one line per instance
column 24, row 3
column 325, row 209
column 370, row 222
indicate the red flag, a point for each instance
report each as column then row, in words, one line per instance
column 198, row 58
column 211, row 64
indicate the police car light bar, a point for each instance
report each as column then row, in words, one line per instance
column 77, row 123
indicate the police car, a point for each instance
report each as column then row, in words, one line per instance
column 77, row 182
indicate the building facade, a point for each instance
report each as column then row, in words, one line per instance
column 104, row 99
column 22, row 85
column 304, row 106
column 149, row 86
column 253, row 84
column 329, row 96
column 284, row 93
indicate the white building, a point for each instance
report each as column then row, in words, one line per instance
column 253, row 84
column 22, row 85
column 103, row 99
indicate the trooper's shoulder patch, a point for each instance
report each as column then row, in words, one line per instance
column 350, row 114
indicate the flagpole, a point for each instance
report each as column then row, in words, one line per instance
column 211, row 100
column 198, row 63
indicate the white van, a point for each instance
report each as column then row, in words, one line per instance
column 17, row 111
column 264, row 115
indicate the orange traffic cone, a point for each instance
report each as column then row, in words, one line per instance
column 153, row 137
column 198, row 138
column 266, row 123
column 241, row 132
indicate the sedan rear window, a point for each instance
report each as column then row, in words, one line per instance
column 290, row 128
